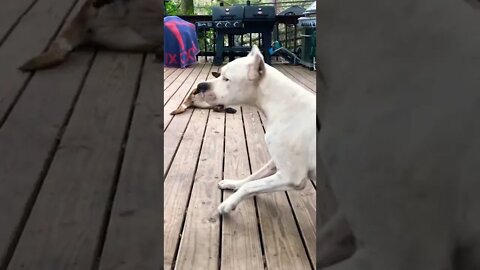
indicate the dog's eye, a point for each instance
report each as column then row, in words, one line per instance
column 225, row 79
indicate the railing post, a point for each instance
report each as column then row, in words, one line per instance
column 295, row 38
column 205, row 43
column 286, row 36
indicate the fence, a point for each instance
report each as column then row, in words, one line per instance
column 285, row 31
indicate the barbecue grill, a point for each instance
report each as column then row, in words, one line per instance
column 239, row 20
column 308, row 25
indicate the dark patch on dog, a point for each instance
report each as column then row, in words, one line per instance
column 218, row 108
column 221, row 108
column 230, row 110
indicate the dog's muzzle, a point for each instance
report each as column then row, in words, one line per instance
column 203, row 87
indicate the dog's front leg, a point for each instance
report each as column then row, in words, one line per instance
column 267, row 170
column 273, row 183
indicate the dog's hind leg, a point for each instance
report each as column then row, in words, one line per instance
column 75, row 34
column 267, row 170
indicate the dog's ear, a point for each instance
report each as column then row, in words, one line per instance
column 256, row 68
column 215, row 74
column 254, row 51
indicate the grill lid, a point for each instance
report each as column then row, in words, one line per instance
column 227, row 13
column 259, row 13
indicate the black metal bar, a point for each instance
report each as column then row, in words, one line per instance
column 295, row 38
column 277, row 34
column 214, row 42
column 205, row 42
column 286, row 37
column 231, row 43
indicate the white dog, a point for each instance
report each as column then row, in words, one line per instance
column 290, row 129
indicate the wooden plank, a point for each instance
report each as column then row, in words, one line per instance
column 178, row 183
column 200, row 242
column 27, row 40
column 11, row 11
column 27, row 138
column 173, row 88
column 167, row 72
column 241, row 247
column 168, row 80
column 304, row 206
column 304, row 83
column 282, row 242
column 304, row 72
column 175, row 129
column 66, row 222
column 133, row 239
column 303, row 76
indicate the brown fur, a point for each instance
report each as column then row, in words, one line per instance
column 195, row 100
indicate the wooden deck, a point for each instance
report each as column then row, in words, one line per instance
column 201, row 147
column 80, row 164
column 80, row 151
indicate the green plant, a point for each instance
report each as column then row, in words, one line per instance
column 174, row 9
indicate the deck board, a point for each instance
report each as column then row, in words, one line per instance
column 133, row 240
column 68, row 214
column 80, row 178
column 29, row 136
column 25, row 41
column 178, row 183
column 274, row 230
column 11, row 13
column 241, row 242
column 200, row 243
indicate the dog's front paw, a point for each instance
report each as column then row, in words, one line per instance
column 226, row 207
column 229, row 184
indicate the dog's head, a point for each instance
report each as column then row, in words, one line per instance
column 237, row 82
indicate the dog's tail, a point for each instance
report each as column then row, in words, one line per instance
column 75, row 34
column 187, row 103
column 53, row 57
column 182, row 108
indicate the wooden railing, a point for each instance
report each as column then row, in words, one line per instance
column 285, row 31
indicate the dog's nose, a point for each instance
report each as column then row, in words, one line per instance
column 203, row 87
